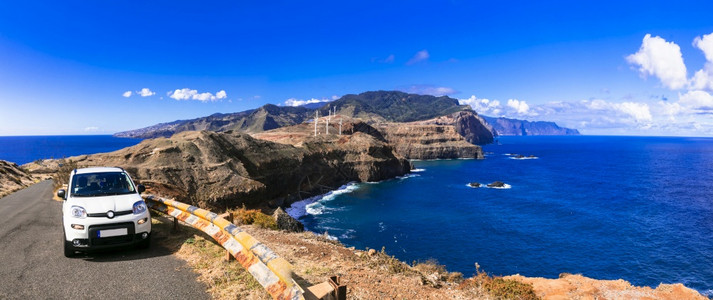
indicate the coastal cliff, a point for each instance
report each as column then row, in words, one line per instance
column 505, row 126
column 410, row 140
column 468, row 124
column 416, row 141
column 13, row 178
column 222, row 170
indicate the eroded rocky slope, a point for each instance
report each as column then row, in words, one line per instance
column 13, row 178
column 416, row 141
column 222, row 170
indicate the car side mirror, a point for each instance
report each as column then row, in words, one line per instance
column 141, row 188
column 62, row 193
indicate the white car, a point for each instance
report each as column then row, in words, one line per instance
column 103, row 208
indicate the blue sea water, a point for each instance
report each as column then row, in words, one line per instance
column 636, row 208
column 25, row 149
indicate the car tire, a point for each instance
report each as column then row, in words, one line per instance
column 68, row 249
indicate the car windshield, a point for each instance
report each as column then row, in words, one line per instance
column 101, row 184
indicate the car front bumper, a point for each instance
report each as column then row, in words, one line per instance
column 89, row 236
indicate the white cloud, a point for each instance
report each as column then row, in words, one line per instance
column 639, row 111
column 662, row 59
column 513, row 108
column 127, row 94
column 696, row 100
column 705, row 43
column 703, row 78
column 520, row 106
column 189, row 94
column 427, row 89
column 91, row 129
column 145, row 92
column 483, row 106
column 298, row 102
column 419, row 57
column 389, row 59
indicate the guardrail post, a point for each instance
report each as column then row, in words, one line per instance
column 340, row 290
column 175, row 224
column 229, row 257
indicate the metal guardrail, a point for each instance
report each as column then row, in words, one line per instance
column 272, row 272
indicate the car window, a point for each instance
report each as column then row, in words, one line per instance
column 101, row 184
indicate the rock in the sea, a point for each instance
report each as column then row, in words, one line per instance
column 496, row 184
column 474, row 185
column 287, row 222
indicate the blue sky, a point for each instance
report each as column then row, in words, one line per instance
column 66, row 66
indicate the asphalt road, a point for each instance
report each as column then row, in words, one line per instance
column 33, row 266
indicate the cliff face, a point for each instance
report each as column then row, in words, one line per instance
column 410, row 140
column 505, row 126
column 220, row 170
column 415, row 141
column 13, row 178
column 468, row 124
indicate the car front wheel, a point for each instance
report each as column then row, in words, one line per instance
column 68, row 249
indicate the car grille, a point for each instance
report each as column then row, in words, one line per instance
column 94, row 240
column 116, row 214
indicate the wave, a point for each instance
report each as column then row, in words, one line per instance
column 418, row 170
column 315, row 205
column 407, row 176
column 523, row 158
column 382, row 227
column 349, row 234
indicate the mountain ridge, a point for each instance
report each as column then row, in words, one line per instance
column 371, row 106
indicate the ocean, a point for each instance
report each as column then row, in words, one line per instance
column 636, row 208
column 606, row 207
column 25, row 149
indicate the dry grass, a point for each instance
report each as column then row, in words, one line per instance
column 488, row 287
column 62, row 175
column 255, row 217
column 225, row 280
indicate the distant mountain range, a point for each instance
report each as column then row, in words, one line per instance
column 505, row 126
column 374, row 107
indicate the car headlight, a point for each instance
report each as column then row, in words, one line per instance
column 139, row 207
column 78, row 212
